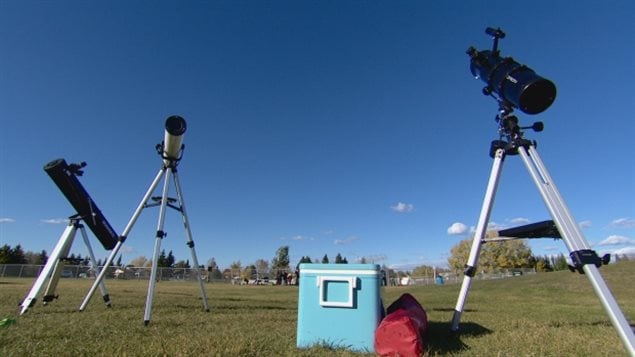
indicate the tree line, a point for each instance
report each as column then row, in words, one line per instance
column 17, row 255
column 507, row 254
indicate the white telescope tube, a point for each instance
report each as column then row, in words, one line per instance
column 172, row 143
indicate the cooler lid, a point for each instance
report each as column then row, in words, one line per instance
column 344, row 269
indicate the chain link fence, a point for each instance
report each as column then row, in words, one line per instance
column 236, row 276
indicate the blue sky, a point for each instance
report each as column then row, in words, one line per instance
column 329, row 126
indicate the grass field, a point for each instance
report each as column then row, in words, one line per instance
column 549, row 314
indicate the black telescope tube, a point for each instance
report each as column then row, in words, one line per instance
column 65, row 179
column 513, row 82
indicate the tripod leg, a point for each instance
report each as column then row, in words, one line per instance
column 157, row 248
column 190, row 242
column 49, row 293
column 93, row 265
column 65, row 239
column 125, row 233
column 576, row 243
column 479, row 235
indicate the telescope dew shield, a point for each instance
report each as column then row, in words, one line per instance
column 64, row 177
column 175, row 127
column 513, row 82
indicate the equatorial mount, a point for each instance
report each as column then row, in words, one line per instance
column 510, row 133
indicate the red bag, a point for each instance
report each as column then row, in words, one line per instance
column 402, row 331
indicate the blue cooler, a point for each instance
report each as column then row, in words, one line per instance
column 339, row 305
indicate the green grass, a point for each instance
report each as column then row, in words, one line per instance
column 550, row 314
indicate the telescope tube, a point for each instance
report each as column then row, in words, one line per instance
column 64, row 177
column 175, row 127
column 513, row 82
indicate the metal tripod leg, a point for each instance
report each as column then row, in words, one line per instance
column 93, row 265
column 62, row 245
column 190, row 242
column 157, row 247
column 576, row 243
column 125, row 233
column 479, row 235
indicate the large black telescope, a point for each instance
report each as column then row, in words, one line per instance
column 513, row 83
column 64, row 176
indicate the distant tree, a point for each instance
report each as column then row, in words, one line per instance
column 493, row 255
column 182, row 264
column 423, row 270
column 17, row 255
column 33, row 258
column 235, row 269
column 362, row 260
column 303, row 260
column 43, row 257
column 559, row 262
column 227, row 274
column 249, row 272
column 5, row 254
column 281, row 261
column 459, row 254
column 543, row 264
column 162, row 261
column 340, row 260
column 508, row 254
column 262, row 267
column 169, row 260
column 138, row 261
column 214, row 271
column 325, row 259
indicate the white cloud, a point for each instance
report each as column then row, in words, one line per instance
column 345, row 241
column 623, row 223
column 584, row 224
column 403, row 207
column 625, row 251
column 7, row 220
column 457, row 228
column 616, row 240
column 301, row 237
column 519, row 220
column 55, row 220
column 495, row 226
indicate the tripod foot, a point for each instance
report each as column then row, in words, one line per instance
column 146, row 322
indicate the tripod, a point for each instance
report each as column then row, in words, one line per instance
column 169, row 168
column 55, row 264
column 585, row 260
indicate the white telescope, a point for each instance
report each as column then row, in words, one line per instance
column 172, row 145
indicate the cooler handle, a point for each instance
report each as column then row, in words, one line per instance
column 352, row 283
